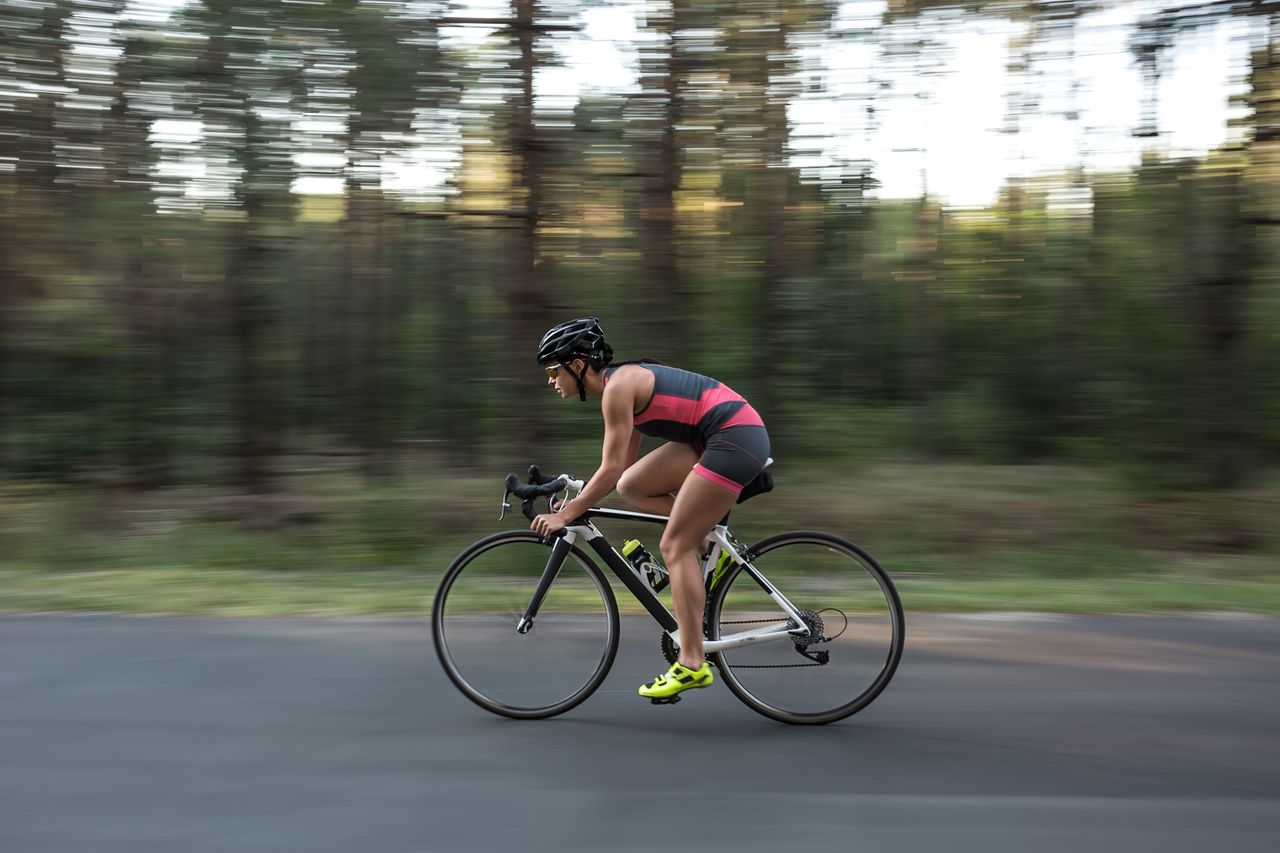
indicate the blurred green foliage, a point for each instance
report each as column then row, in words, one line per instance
column 175, row 314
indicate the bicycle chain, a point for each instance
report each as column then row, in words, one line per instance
column 749, row 555
column 764, row 665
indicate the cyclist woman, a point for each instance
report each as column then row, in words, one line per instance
column 716, row 445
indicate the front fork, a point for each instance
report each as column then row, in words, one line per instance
column 559, row 550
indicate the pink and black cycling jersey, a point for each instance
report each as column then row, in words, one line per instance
column 689, row 407
column 697, row 410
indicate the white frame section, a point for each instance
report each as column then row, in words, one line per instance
column 719, row 537
column 720, row 543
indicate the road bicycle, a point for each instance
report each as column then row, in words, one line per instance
column 803, row 627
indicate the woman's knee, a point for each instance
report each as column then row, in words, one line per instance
column 629, row 486
column 674, row 546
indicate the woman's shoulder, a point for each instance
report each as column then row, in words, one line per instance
column 632, row 367
column 627, row 373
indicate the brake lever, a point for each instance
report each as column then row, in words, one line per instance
column 510, row 482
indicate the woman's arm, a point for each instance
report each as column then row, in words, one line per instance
column 633, row 450
column 621, row 444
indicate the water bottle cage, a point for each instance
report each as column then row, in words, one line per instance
column 649, row 568
column 656, row 575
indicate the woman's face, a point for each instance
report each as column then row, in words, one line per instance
column 562, row 380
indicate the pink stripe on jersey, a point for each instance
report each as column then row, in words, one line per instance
column 720, row 394
column 746, row 416
column 718, row 479
column 664, row 407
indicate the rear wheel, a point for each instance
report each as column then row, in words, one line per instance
column 559, row 662
column 854, row 615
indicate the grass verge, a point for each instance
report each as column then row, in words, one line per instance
column 240, row 592
column 955, row 537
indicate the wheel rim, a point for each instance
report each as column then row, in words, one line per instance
column 836, row 581
column 554, row 665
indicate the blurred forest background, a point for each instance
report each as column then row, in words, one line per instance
column 278, row 269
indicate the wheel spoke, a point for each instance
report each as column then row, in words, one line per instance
column 553, row 666
column 855, row 620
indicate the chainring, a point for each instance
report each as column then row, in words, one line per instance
column 669, row 650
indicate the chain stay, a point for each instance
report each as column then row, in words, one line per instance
column 768, row 665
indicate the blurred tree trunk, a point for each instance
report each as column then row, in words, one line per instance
column 146, row 442
column 924, row 328
column 387, row 49
column 1219, row 242
column 527, row 313
column 456, row 410
column 1218, row 258
column 922, row 317
column 375, row 403
column 763, row 71
column 152, row 357
column 8, row 271
column 1072, row 254
column 313, row 320
column 31, row 47
column 343, row 338
column 862, row 343
column 258, row 192
column 1220, row 254
column 1079, row 326
column 247, row 314
column 663, row 296
column 44, row 52
column 773, row 180
column 361, row 277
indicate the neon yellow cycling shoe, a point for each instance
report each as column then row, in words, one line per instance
column 666, row 688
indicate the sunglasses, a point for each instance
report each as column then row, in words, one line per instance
column 553, row 370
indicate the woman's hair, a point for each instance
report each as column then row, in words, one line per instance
column 639, row 361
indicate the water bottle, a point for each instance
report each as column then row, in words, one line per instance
column 644, row 562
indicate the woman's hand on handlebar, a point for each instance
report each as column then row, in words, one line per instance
column 548, row 525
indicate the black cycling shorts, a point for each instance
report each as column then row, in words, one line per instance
column 734, row 456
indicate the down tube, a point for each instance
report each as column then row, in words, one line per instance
column 638, row 588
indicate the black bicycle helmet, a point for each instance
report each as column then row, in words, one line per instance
column 581, row 338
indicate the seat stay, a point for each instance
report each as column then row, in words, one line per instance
column 718, row 541
column 794, row 626
column 724, row 542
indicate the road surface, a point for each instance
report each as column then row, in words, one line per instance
column 1000, row 732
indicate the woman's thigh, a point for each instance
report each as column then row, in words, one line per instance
column 699, row 507
column 659, row 472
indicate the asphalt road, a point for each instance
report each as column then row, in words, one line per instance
column 1017, row 733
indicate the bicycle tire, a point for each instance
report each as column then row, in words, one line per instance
column 501, row 627
column 815, row 541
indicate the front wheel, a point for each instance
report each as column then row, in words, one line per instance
column 555, row 665
column 851, row 608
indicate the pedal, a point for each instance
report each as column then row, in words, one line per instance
column 667, row 700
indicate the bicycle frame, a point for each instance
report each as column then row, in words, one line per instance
column 632, row 579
